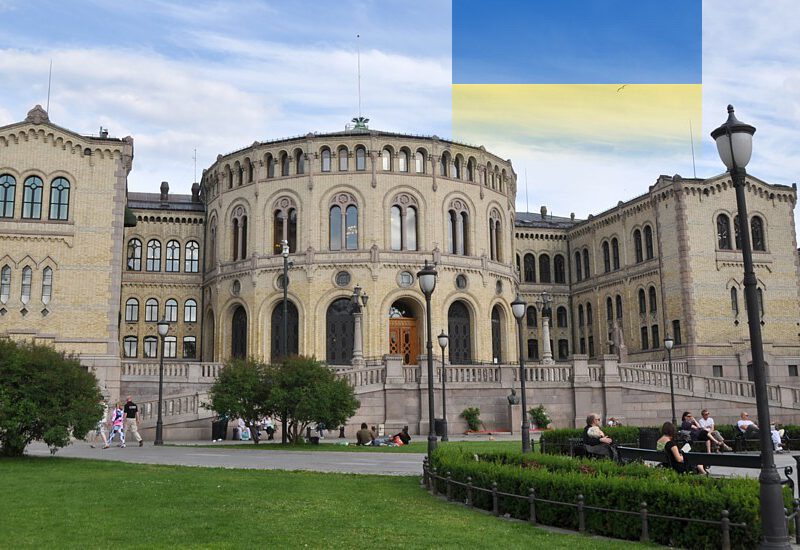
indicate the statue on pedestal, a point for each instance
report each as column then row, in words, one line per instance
column 619, row 343
column 513, row 398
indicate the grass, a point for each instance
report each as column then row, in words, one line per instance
column 414, row 447
column 72, row 503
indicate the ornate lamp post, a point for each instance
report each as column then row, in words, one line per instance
column 163, row 329
column 668, row 343
column 518, row 307
column 735, row 145
column 443, row 340
column 543, row 302
column 285, row 335
column 427, row 282
column 358, row 299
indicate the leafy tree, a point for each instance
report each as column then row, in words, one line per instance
column 303, row 391
column 242, row 391
column 43, row 396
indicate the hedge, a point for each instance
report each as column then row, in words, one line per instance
column 609, row 485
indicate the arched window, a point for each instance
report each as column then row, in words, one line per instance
column 361, row 158
column 395, row 221
column 212, row 244
column 344, row 157
column 586, row 271
column 651, row 292
column 648, row 241
column 192, row 263
column 150, row 347
column 239, row 333
column 530, row 316
column 497, row 334
column 47, row 285
column 578, row 270
column 249, row 167
column 239, row 233
column 609, row 309
column 637, row 246
column 459, row 331
column 190, row 311
column 171, row 310
column 458, row 228
column 151, row 310
column 734, row 301
column 132, row 310
column 760, row 296
column 615, row 253
column 239, row 173
column 558, row 268
column 757, row 230
column 529, row 274
column 284, row 224
column 343, row 223
column 130, row 343
column 5, row 284
column 173, row 260
column 292, row 327
column 153, row 255
column 229, row 176
column 270, row 161
column 544, row 268
column 580, row 315
column 285, row 164
column 386, row 160
column 25, row 291
column 403, row 222
column 589, row 316
column 339, row 332
column 8, row 188
column 619, row 306
column 455, row 167
column 471, row 170
column 495, row 236
column 737, row 239
column 300, row 162
column 170, row 347
column 134, row 261
column 723, row 232
column 402, row 161
column 606, row 257
column 519, row 268
column 642, row 302
column 32, row 198
column 326, row 160
column 59, row 199
column 189, row 347
column 444, row 164
column 561, row 317
column 419, row 161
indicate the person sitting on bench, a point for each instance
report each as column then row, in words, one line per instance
column 715, row 438
column 750, row 430
column 595, row 441
column 674, row 454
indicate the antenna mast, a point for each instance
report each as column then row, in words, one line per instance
column 691, row 139
column 49, row 80
column 194, row 158
column 358, row 50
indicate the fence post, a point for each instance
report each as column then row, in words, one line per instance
column 796, row 506
column 495, row 504
column 433, row 480
column 645, row 527
column 581, row 517
column 532, row 503
column 425, row 472
column 449, row 487
column 469, row 491
column 725, row 525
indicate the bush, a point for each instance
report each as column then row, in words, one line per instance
column 539, row 416
column 473, row 417
column 609, row 485
column 44, row 396
column 557, row 441
column 241, row 391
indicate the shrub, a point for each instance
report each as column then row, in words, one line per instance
column 241, row 391
column 539, row 416
column 557, row 441
column 44, row 395
column 472, row 416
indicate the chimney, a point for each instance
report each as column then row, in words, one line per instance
column 164, row 191
column 572, row 216
column 103, row 132
column 543, row 211
column 195, row 192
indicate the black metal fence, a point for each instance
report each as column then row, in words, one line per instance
column 429, row 478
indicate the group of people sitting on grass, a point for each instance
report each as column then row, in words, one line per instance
column 367, row 436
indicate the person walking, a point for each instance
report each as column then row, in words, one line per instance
column 100, row 428
column 116, row 427
column 131, row 420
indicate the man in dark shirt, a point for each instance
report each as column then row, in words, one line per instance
column 131, row 411
column 364, row 436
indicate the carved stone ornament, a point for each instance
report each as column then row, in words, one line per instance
column 344, row 198
column 37, row 115
column 457, row 205
column 404, row 199
column 283, row 203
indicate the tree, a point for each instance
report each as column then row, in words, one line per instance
column 241, row 391
column 44, row 395
column 303, row 391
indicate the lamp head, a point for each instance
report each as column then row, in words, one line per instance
column 163, row 327
column 443, row 340
column 518, row 307
column 285, row 248
column 669, row 342
column 427, row 279
column 734, row 142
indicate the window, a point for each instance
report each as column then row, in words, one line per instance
column 529, row 274
column 642, row 302
column 656, row 340
column 644, row 338
column 190, row 311
column 239, row 233
column 735, row 301
column 343, row 155
column 578, row 270
column 5, row 284
column 170, row 346
column 619, row 306
column 270, row 162
column 609, row 309
column 561, row 317
column 471, row 170
column 402, row 161
column 530, row 316
column 32, row 198
column 25, row 292
column 533, row 349
column 284, row 225
column 239, row 174
column 59, row 199
column 130, row 343
column 723, row 232
column 151, row 310
column 560, row 272
column 403, row 223
column 760, row 296
column 648, row 241
column 47, row 285
column 249, row 170
column 586, row 271
column 757, row 230
column 606, row 257
column 736, row 239
column 583, row 346
column 171, row 310
column 189, row 347
column 285, row 164
column 326, row 160
column 544, row 268
column 131, row 310
column 580, row 316
column 717, row 371
column 444, row 161
column 386, row 160
column 150, row 347
column 792, row 370
column 153, row 255
column 172, row 263
column 8, row 188
column 589, row 316
column 134, row 262
column 750, row 374
column 496, row 238
column 419, row 161
column 458, row 229
column 591, row 346
column 229, row 176
column 192, row 264
column 651, row 292
column 300, row 162
column 361, row 159
column 637, row 245
column 343, row 223
column 563, row 349
column 676, row 332
column 615, row 253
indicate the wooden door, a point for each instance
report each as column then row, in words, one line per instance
column 403, row 339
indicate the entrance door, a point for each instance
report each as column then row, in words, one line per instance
column 403, row 339
column 278, row 352
column 458, row 326
column 339, row 332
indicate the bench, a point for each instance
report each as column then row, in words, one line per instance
column 728, row 460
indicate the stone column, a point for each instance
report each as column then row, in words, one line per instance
column 612, row 388
column 581, row 389
column 358, row 345
column 547, row 354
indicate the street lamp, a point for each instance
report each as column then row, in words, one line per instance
column 518, row 307
column 358, row 299
column 427, row 282
column 285, row 335
column 735, row 145
column 668, row 343
column 443, row 339
column 163, row 329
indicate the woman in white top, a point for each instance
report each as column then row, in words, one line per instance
column 714, row 437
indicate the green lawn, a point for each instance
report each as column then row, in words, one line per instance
column 416, row 446
column 70, row 503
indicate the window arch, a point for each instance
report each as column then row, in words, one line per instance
column 190, row 311
column 737, row 239
column 530, row 316
column 47, row 285
column 419, row 161
column 495, row 236
column 580, row 315
column 444, row 164
column 386, row 159
column 615, row 253
column 325, row 154
column 192, row 263
column 8, row 188
column 529, row 274
column 760, row 296
column 151, row 310
column 609, row 309
column 723, row 232
column 586, row 271
column 131, row 310
column 578, row 270
column 648, row 241
column 5, row 284
column 134, row 261
column 403, row 222
column 559, row 271
column 402, row 160
column 249, row 168
column 637, row 245
column 32, row 198
column 130, row 343
column 59, row 199
column 343, row 222
column 239, row 233
column 153, row 255
column 300, row 162
column 455, row 167
column 171, row 310
column 284, row 224
column 172, row 262
column 361, row 158
column 239, row 174
column 212, row 243
column 458, row 228
column 561, row 317
column 606, row 257
column 229, row 176
column 589, row 316
column 344, row 157
column 497, row 332
column 270, row 162
column 459, row 330
column 757, row 231
column 642, row 302
column 150, row 347
column 544, row 268
column 471, row 169
column 285, row 163
column 25, row 291
column 619, row 306
column 734, row 301
column 651, row 293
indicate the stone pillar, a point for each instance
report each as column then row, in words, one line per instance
column 547, row 353
column 612, row 388
column 514, row 418
column 358, row 345
column 394, row 369
column 581, row 390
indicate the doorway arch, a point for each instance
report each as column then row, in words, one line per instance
column 293, row 335
column 339, row 331
column 459, row 331
column 239, row 333
column 404, row 331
